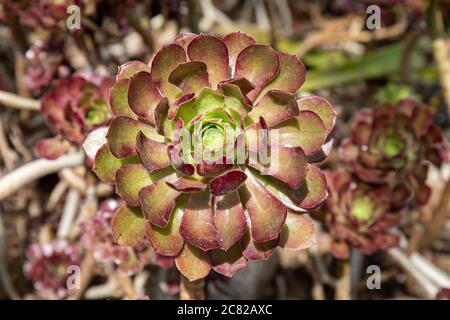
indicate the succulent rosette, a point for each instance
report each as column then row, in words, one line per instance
column 72, row 108
column 392, row 144
column 186, row 151
column 49, row 265
column 360, row 215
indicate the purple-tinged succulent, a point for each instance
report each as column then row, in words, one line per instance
column 186, row 153
column 44, row 63
column 40, row 13
column 98, row 238
column 359, row 215
column 49, row 265
column 72, row 108
column 443, row 294
column 394, row 144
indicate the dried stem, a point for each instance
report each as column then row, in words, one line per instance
column 137, row 24
column 87, row 268
column 343, row 283
column 69, row 213
column 12, row 100
column 434, row 228
column 429, row 289
column 36, row 169
column 194, row 290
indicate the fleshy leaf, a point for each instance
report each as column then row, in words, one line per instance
column 213, row 169
column 118, row 99
column 227, row 182
column 259, row 64
column 177, row 162
column 214, row 53
column 143, row 96
column 267, row 213
column 197, row 225
column 188, row 185
column 306, row 131
column 291, row 76
column 193, row 263
column 130, row 179
column 275, row 107
column 313, row 190
column 106, row 165
column 228, row 262
column 153, row 154
column 122, row 136
column 129, row 69
column 184, row 38
column 229, row 219
column 51, row 148
column 289, row 166
column 165, row 61
column 253, row 250
column 298, row 232
column 190, row 77
column 166, row 241
column 158, row 200
column 235, row 102
column 321, row 107
column 236, row 42
column 128, row 226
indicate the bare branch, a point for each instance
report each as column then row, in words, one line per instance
column 12, row 100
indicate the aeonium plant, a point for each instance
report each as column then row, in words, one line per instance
column 213, row 154
column 72, row 108
column 361, row 216
column 394, row 144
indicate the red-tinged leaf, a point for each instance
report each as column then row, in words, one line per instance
column 153, row 154
column 306, row 131
column 298, row 232
column 235, row 101
column 130, row 179
column 227, row 182
column 259, row 64
column 128, row 226
column 122, row 136
column 184, row 38
column 197, row 224
column 143, row 96
column 193, row 263
column 190, row 77
column 275, row 107
column 118, row 99
column 157, row 201
column 236, row 42
column 229, row 219
column 286, row 164
column 214, row 53
column 244, row 85
column 165, row 61
column 177, row 162
column 321, row 107
column 253, row 250
column 291, row 76
column 313, row 190
column 421, row 120
column 348, row 151
column 51, row 148
column 166, row 241
column 267, row 213
column 106, row 165
column 361, row 132
column 228, row 262
column 129, row 69
column 212, row 169
column 188, row 185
